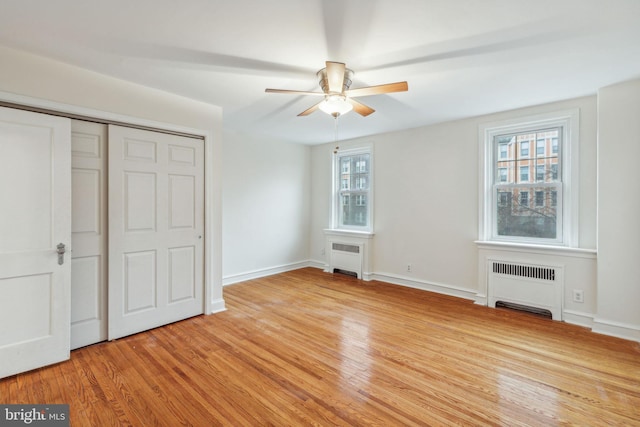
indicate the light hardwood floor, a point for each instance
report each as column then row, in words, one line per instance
column 311, row 348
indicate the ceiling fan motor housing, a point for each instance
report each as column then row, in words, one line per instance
column 323, row 81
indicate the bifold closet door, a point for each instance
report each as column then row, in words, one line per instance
column 35, row 228
column 156, row 229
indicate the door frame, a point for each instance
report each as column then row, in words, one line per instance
column 213, row 301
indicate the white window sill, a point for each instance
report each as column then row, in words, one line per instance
column 351, row 233
column 541, row 249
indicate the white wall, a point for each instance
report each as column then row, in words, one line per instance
column 426, row 199
column 266, row 200
column 619, row 210
column 25, row 78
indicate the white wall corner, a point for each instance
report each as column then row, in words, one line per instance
column 320, row 265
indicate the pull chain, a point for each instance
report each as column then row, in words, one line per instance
column 335, row 130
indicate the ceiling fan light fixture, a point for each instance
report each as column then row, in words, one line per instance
column 335, row 105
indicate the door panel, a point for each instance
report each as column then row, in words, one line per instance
column 182, row 202
column 35, row 215
column 89, row 229
column 140, row 282
column 156, row 223
column 140, row 201
column 182, row 275
column 26, row 157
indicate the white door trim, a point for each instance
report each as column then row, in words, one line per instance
column 212, row 259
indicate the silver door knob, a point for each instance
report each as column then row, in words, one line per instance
column 61, row 250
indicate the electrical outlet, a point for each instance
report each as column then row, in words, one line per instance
column 408, row 268
column 322, row 251
column 578, row 295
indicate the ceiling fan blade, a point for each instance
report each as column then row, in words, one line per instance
column 310, row 109
column 360, row 108
column 377, row 90
column 335, row 76
column 294, row 92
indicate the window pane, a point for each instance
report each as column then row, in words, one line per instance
column 519, row 216
column 353, row 179
column 354, row 210
column 523, row 170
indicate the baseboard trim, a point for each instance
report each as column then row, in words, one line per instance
column 578, row 318
column 440, row 288
column 264, row 272
column 616, row 329
column 481, row 299
column 217, row 306
column 320, row 265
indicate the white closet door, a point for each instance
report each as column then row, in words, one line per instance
column 89, row 233
column 35, row 216
column 156, row 228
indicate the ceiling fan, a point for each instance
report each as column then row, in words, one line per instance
column 335, row 81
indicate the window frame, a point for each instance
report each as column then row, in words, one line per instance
column 337, row 190
column 567, row 200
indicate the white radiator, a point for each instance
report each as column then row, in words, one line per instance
column 536, row 286
column 347, row 257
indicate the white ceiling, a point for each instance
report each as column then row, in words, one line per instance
column 461, row 57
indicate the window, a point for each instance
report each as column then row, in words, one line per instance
column 352, row 203
column 502, row 173
column 361, row 183
column 503, row 151
column 504, row 198
column 525, row 190
column 346, row 166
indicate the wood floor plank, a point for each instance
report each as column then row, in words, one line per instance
column 311, row 348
